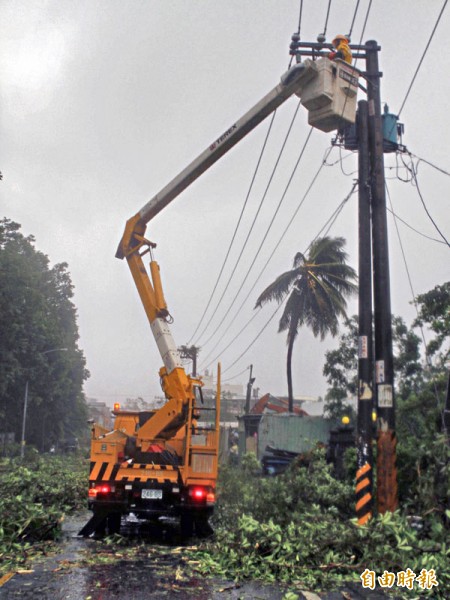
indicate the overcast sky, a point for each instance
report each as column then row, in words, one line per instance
column 104, row 102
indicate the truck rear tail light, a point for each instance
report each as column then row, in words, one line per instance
column 200, row 494
column 99, row 489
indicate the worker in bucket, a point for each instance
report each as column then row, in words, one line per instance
column 342, row 49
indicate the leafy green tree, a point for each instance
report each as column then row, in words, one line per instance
column 434, row 311
column 341, row 365
column 36, row 316
column 315, row 288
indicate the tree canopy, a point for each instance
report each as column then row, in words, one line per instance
column 316, row 289
column 38, row 344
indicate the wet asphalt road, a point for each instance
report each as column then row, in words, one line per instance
column 157, row 574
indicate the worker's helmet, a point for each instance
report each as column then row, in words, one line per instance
column 339, row 37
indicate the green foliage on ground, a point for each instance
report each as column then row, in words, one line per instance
column 33, row 503
column 298, row 528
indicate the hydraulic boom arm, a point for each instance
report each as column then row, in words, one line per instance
column 177, row 385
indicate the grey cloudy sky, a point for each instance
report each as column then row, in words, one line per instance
column 103, row 102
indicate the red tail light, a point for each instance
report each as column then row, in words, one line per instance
column 202, row 494
column 99, row 489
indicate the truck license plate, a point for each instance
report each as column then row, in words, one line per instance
column 152, row 494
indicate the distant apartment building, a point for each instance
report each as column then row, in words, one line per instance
column 99, row 412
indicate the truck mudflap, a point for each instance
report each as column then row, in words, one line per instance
column 99, row 520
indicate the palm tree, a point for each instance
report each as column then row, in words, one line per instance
column 316, row 288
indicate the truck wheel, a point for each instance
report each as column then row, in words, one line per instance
column 114, row 523
column 202, row 527
column 100, row 529
column 187, row 526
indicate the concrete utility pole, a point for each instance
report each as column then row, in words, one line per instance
column 190, row 352
column 364, row 473
column 251, row 381
column 387, row 491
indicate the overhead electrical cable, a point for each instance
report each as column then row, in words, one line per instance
column 428, row 163
column 414, row 302
column 326, row 18
column 254, row 339
column 253, row 223
column 413, row 229
column 236, row 375
column 423, row 56
column 264, row 237
column 416, row 183
column 273, row 314
column 237, row 225
column 328, row 224
column 240, row 332
column 353, row 20
column 300, row 18
column 314, row 179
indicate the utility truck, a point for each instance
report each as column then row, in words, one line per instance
column 164, row 462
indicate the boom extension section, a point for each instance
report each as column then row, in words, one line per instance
column 177, row 385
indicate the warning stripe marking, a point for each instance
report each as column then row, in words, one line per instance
column 363, row 470
column 108, row 471
column 151, row 466
column 364, row 500
column 362, row 484
column 363, row 520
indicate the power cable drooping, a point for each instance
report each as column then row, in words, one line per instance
column 413, row 229
column 416, row 183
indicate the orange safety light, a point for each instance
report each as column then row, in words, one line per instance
column 116, row 407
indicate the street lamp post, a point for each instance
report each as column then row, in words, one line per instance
column 25, row 405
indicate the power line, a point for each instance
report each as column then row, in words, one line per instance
column 237, row 225
column 264, row 237
column 423, row 56
column 413, row 229
column 278, row 243
column 353, row 20
column 326, row 19
column 428, row 163
column 330, row 222
column 425, row 206
column 236, row 375
column 300, row 18
column 253, row 223
column 428, row 360
column 254, row 339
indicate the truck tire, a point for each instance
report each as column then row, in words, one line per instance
column 202, row 527
column 187, row 526
column 114, row 523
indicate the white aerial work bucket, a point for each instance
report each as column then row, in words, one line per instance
column 331, row 96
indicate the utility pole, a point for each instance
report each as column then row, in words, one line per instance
column 251, row 381
column 24, row 420
column 190, row 352
column 364, row 473
column 387, row 492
